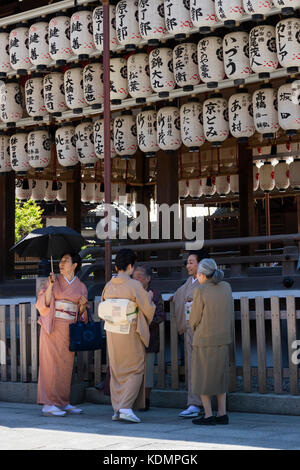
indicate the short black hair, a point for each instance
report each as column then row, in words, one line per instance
column 124, row 258
column 76, row 258
column 145, row 268
column 200, row 254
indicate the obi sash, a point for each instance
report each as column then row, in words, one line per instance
column 65, row 309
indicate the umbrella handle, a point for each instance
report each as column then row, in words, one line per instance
column 51, row 259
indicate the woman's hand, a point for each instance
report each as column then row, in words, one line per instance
column 82, row 302
column 51, row 279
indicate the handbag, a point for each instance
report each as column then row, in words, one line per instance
column 85, row 336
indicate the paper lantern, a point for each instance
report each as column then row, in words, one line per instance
column 118, row 80
column 210, row 60
column 161, row 71
column 288, row 43
column 223, row 185
column 215, row 119
column 73, row 84
column 229, row 11
column 23, row 189
column 203, row 14
column 98, row 195
column 87, row 192
column 287, row 6
column 39, row 148
column 183, row 189
column 65, row 142
column 139, row 84
column 234, row 184
column 147, row 131
column 18, row 150
column 209, row 186
column 114, row 193
column 267, row 177
column 240, row 108
column 34, row 97
column 99, row 139
column 5, row 165
column 11, row 101
column 178, row 18
column 195, row 188
column 236, row 56
column 191, row 120
column 61, row 191
column 281, row 173
column 81, row 33
column 39, row 44
column 265, row 111
column 125, row 135
column 185, row 62
column 294, row 172
column 255, row 177
column 5, row 66
column 59, row 39
column 226, row 157
column 98, row 28
column 93, row 84
column 38, row 190
column 289, row 107
column 19, row 50
column 168, row 129
column 127, row 23
column 152, row 20
column 84, row 137
column 258, row 8
column 51, row 192
column 54, row 93
column 262, row 50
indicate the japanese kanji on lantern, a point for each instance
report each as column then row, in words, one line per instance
column 39, row 44
column 59, row 39
column 127, row 23
column 240, row 108
column 11, row 101
column 61, row 191
column 66, row 145
column 19, row 49
column 215, row 119
column 288, row 44
column 87, row 192
column 229, row 11
column 5, row 66
column 195, row 188
column 118, row 80
column 93, row 84
column 258, row 8
column 178, row 18
column 191, row 124
column 234, row 184
column 38, row 190
column 265, row 112
column 288, row 7
column 185, row 63
column 168, row 129
column 5, row 165
column 73, row 85
column 98, row 28
column 34, row 97
column 18, row 150
column 54, row 93
column 139, row 84
column 203, row 14
column 81, row 33
column 294, row 173
column 255, row 177
column 99, row 139
column 146, row 122
column 84, row 137
column 51, row 192
column 152, row 20
column 223, row 185
column 267, row 177
column 23, row 189
column 289, row 107
column 210, row 60
column 125, row 135
column 262, row 50
column 281, row 174
column 236, row 56
column 161, row 71
column 209, row 186
column 183, row 189
column 39, row 148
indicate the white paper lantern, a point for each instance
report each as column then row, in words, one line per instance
column 287, row 6
column 262, row 50
column 229, row 11
column 146, row 122
column 255, row 177
column 215, row 119
column 39, row 44
column 191, row 119
column 125, row 135
column 19, row 50
column 5, row 165
column 223, row 185
column 178, row 18
column 84, row 136
column 34, row 97
column 54, row 93
column 39, row 148
column 294, row 173
column 62, row 191
column 288, row 43
column 183, row 189
column 87, row 192
column 51, row 192
column 114, row 193
column 226, row 157
column 265, row 111
column 59, row 39
column 203, row 14
column 23, row 189
column 118, row 80
column 38, row 190
column 168, row 129
column 195, row 188
column 267, row 177
column 185, row 63
column 152, row 20
column 210, row 60
column 209, row 186
column 161, row 71
column 65, row 142
column 281, row 172
column 93, row 84
column 81, row 33
column 258, row 8
column 98, row 194
column 99, row 139
column 240, row 108
column 234, row 184
column 289, row 107
column 18, row 150
column 98, row 28
column 236, row 56
column 127, row 23
column 5, row 66
column 73, row 84
column 139, row 84
column 11, row 101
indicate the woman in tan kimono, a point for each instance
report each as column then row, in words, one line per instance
column 57, row 304
column 127, row 351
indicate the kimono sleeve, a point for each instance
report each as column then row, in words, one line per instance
column 144, row 302
column 41, row 302
column 197, row 309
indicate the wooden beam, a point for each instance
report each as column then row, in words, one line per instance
column 7, row 225
column 246, row 199
column 74, row 201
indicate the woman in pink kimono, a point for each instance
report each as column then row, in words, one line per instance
column 57, row 304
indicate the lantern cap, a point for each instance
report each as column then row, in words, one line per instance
column 40, row 128
column 83, row 8
column 64, row 124
column 193, row 100
column 240, row 91
column 20, row 131
column 20, row 25
column 75, row 66
column 37, row 75
column 126, row 112
column 11, row 80
column 264, row 86
column 216, row 95
column 149, row 108
column 61, row 13
column 40, row 19
column 86, row 119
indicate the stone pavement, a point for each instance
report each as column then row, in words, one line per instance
column 22, row 427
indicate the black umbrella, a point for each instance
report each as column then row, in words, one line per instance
column 49, row 242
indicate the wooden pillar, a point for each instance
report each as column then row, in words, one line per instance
column 7, row 225
column 246, row 197
column 143, row 196
column 74, row 201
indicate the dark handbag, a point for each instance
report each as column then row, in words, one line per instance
column 85, row 336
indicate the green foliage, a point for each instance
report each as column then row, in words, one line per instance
column 28, row 217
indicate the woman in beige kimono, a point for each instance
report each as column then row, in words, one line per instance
column 127, row 351
column 57, row 304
